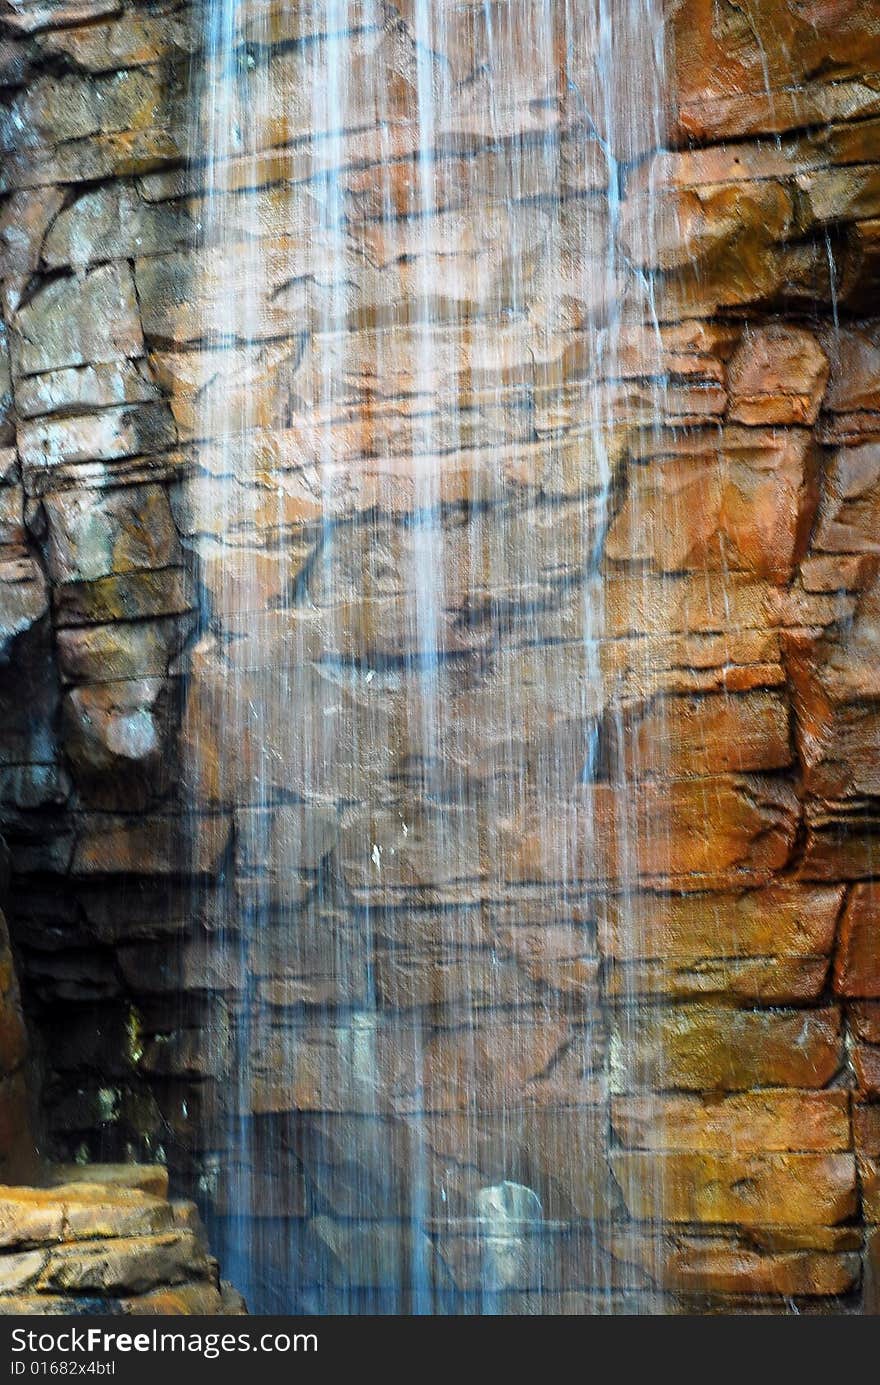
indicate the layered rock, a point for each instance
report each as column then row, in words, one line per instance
column 606, row 937
column 106, row 1240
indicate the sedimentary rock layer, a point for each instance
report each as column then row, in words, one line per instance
column 681, row 1056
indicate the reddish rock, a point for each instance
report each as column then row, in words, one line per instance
column 746, row 504
column 855, row 354
column 429, row 963
column 857, row 960
column 866, row 1066
column 492, row 1065
column 678, row 736
column 777, row 375
column 749, row 1122
column 848, row 516
column 746, row 72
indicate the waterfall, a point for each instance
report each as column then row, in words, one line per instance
column 429, row 358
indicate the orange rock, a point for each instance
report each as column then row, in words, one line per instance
column 786, row 920
column 716, row 1049
column 737, row 1265
column 744, row 1189
column 744, row 72
column 777, row 375
column 866, row 1136
column 857, row 961
column 745, row 503
column 771, row 1120
column 678, row 736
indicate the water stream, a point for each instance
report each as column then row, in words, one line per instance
column 427, row 343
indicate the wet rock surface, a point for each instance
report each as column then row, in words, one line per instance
column 213, row 710
column 106, row 1239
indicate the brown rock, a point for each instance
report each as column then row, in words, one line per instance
column 749, row 1122
column 95, row 534
column 837, row 702
column 768, row 945
column 713, row 1048
column 145, row 1178
column 125, row 649
column 130, row 1266
column 866, row 1065
column 866, row 1137
column 743, row 1189
column 558, row 956
column 767, row 980
column 94, row 1211
column 294, row 837
column 30, row 1216
column 462, row 984
column 736, row 1265
column 132, row 596
column 434, row 847
column 848, row 516
column 744, row 72
column 111, row 845
column 749, row 509
column 854, row 353
column 74, row 322
column 857, row 960
column 777, row 375
column 715, row 827
column 679, row 736
column 493, row 1065
column 130, row 40
column 786, row 920
column 192, row 966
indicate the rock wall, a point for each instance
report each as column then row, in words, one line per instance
column 721, row 1142
column 106, row 1240
column 18, row 1157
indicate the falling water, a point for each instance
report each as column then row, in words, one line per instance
column 427, row 342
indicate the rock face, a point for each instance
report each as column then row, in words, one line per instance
column 577, row 947
column 106, row 1240
column 17, row 1148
